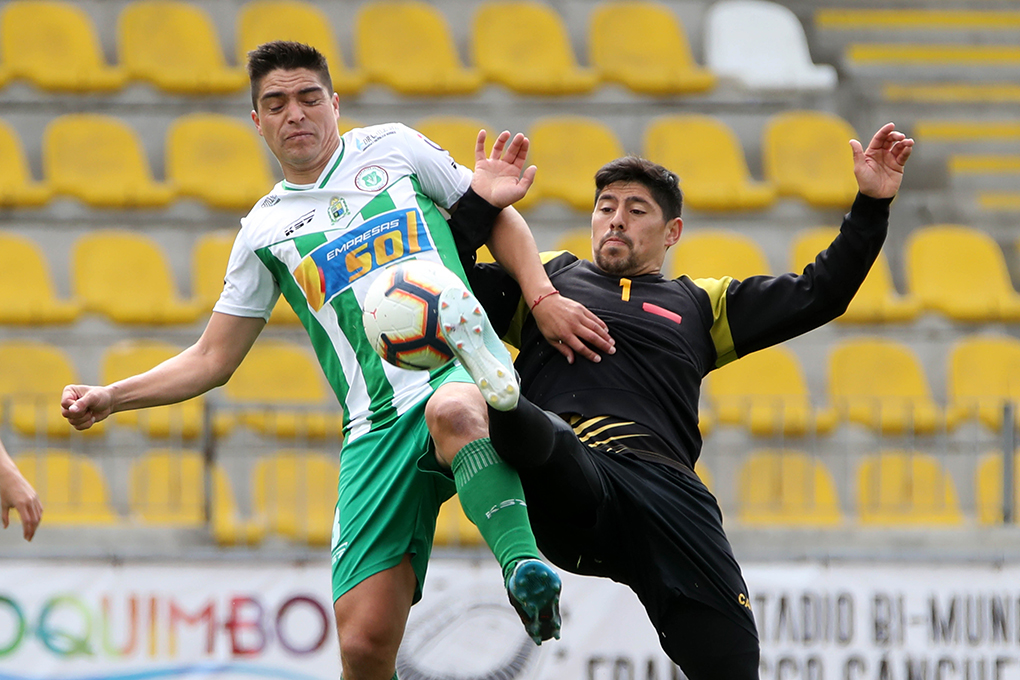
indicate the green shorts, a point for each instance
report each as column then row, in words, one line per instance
column 388, row 497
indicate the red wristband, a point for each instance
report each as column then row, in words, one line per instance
column 542, row 297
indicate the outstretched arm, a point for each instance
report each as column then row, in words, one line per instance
column 17, row 493
column 879, row 168
column 207, row 364
column 501, row 179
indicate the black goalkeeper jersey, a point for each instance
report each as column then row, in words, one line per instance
column 670, row 333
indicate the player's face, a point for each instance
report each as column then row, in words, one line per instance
column 629, row 235
column 298, row 119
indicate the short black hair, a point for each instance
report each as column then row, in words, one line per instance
column 287, row 55
column 663, row 184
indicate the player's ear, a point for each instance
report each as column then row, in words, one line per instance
column 674, row 228
column 255, row 119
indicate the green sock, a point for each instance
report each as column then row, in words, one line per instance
column 492, row 497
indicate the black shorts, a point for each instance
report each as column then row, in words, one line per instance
column 645, row 522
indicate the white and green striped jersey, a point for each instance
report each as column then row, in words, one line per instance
column 321, row 245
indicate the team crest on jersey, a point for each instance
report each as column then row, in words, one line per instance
column 337, row 209
column 371, row 178
column 269, row 201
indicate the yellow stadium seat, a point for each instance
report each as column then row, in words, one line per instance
column 880, row 383
column 174, row 46
column 131, row 357
column 807, row 154
column 787, row 488
column 524, row 45
column 407, row 45
column 457, row 134
column 966, row 92
column 17, row 187
column 262, row 21
column 453, row 528
column 71, row 487
column 766, row 393
column 126, row 276
column 898, row 488
column 344, row 123
column 983, row 373
column 998, row 201
column 569, row 150
column 709, row 159
column 979, row 288
column 294, row 493
column 32, row 378
column 705, row 474
column 949, row 130
column 297, row 406
column 713, row 254
column 209, row 265
column 167, row 487
column 226, row 524
column 217, row 159
column 876, row 300
column 26, row 287
column 642, row 44
column 54, row 45
column 100, row 160
column 988, row 487
column 577, row 242
column 912, row 54
column 853, row 19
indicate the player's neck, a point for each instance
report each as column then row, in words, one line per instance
column 310, row 172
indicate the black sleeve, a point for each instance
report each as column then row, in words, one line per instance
column 764, row 311
column 498, row 292
column 471, row 223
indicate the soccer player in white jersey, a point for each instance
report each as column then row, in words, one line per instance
column 349, row 205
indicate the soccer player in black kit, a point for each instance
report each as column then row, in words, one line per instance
column 606, row 451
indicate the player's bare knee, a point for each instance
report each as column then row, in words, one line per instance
column 455, row 415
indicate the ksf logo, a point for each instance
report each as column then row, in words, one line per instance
column 300, row 222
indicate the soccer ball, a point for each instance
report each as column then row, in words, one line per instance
column 401, row 314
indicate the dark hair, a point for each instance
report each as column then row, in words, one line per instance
column 287, row 55
column 663, row 184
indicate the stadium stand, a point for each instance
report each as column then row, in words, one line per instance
column 709, row 158
column 126, row 358
column 71, row 487
column 988, row 487
column 17, row 188
column 297, row 407
column 33, row 377
column 174, row 46
column 806, row 154
column 715, row 253
column 457, row 134
column 577, row 241
column 979, row 288
column 787, row 488
column 167, row 487
column 897, row 488
column 27, row 295
column 209, row 258
column 294, row 494
column 53, row 44
column 983, row 373
column 125, row 276
column 420, row 56
column 202, row 149
column 643, row 45
column 260, row 21
column 569, row 149
column 762, row 46
column 524, row 45
column 877, row 300
column 881, row 383
column 765, row 392
column 98, row 159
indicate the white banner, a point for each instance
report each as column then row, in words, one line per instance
column 98, row 621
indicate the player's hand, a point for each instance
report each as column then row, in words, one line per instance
column 501, row 178
column 17, row 493
column 572, row 328
column 879, row 168
column 84, row 405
